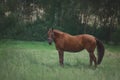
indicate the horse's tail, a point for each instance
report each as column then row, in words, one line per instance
column 100, row 51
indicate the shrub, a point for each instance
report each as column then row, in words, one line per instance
column 116, row 36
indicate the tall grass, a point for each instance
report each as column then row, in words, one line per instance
column 27, row 60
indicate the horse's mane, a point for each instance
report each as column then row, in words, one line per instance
column 60, row 32
column 57, row 31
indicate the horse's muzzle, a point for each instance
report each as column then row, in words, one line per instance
column 50, row 41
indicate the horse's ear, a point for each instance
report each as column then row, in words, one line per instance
column 52, row 28
column 47, row 28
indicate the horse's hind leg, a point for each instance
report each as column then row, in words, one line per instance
column 92, row 58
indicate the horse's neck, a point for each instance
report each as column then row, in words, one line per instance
column 57, row 34
column 60, row 33
column 57, row 31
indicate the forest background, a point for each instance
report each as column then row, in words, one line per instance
column 30, row 19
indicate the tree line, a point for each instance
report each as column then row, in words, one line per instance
column 30, row 19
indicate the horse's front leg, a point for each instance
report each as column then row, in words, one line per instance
column 61, row 57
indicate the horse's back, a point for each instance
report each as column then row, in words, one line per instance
column 88, row 41
column 72, row 43
column 88, row 38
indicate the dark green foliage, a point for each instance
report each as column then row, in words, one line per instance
column 66, row 15
column 8, row 26
column 116, row 36
column 30, row 31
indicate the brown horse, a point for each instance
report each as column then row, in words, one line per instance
column 66, row 42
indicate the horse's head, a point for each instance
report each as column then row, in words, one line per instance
column 50, row 36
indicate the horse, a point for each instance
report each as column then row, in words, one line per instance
column 66, row 42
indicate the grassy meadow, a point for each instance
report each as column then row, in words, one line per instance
column 30, row 60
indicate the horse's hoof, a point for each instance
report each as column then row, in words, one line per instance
column 61, row 65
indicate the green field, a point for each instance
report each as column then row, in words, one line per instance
column 30, row 60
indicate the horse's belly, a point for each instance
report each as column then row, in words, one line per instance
column 73, row 48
